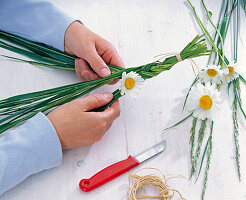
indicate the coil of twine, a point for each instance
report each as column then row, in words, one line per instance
column 160, row 183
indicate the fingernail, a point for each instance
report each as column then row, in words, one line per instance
column 108, row 95
column 104, row 72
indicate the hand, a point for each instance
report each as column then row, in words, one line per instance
column 93, row 51
column 77, row 127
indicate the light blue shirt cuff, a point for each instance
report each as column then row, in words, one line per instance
column 28, row 149
column 37, row 20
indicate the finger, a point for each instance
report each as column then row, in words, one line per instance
column 78, row 70
column 110, row 55
column 108, row 126
column 97, row 63
column 83, row 71
column 114, row 59
column 112, row 112
column 95, row 101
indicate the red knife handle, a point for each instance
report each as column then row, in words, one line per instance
column 107, row 174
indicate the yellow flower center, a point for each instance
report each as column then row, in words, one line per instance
column 129, row 83
column 231, row 69
column 212, row 72
column 205, row 102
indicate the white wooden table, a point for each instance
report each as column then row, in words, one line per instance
column 139, row 29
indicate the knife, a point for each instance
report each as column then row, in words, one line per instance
column 116, row 169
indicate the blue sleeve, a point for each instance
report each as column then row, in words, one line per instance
column 37, row 20
column 28, row 149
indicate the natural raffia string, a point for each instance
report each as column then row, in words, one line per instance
column 179, row 58
column 166, row 193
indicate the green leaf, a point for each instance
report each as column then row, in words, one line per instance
column 187, row 95
column 57, row 66
column 209, row 153
column 37, row 47
column 179, row 122
column 205, row 150
column 31, row 54
column 236, row 132
column 198, row 148
column 205, row 31
column 239, row 102
column 192, row 142
column 243, row 3
column 242, row 79
column 228, row 88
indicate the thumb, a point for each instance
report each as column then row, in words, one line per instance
column 97, row 63
column 95, row 101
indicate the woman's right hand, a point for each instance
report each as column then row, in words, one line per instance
column 76, row 126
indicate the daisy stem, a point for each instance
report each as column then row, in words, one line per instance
column 206, row 33
column 236, row 28
column 188, row 93
column 221, row 40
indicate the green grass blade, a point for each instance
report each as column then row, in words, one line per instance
column 243, row 3
column 242, row 79
column 206, row 33
column 228, row 88
column 205, row 150
column 179, row 122
column 209, row 153
column 198, row 148
column 218, row 32
column 57, row 66
column 187, row 95
column 240, row 105
column 31, row 55
column 235, row 31
column 192, row 142
column 236, row 132
column 37, row 47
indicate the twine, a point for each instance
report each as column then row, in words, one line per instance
column 166, row 193
column 164, row 55
column 179, row 58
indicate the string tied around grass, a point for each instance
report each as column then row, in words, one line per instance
column 180, row 59
column 178, row 56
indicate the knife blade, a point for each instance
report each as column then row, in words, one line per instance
column 118, row 168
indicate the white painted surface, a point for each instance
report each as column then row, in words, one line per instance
column 139, row 29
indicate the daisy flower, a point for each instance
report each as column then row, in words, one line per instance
column 212, row 74
column 204, row 101
column 231, row 72
column 130, row 84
